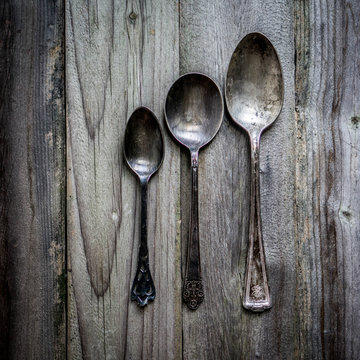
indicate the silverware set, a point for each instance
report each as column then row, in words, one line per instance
column 194, row 110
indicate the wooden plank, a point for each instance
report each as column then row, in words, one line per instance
column 120, row 55
column 220, row 328
column 327, row 175
column 32, row 202
column 5, row 50
column 307, row 251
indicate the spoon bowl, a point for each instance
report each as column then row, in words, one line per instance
column 194, row 109
column 143, row 143
column 144, row 152
column 254, row 93
column 254, row 84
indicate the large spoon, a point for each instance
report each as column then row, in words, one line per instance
column 254, row 96
column 144, row 152
column 194, row 110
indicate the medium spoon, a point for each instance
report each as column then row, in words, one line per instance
column 144, row 152
column 194, row 110
column 254, row 94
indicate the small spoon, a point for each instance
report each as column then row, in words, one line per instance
column 254, row 94
column 194, row 110
column 144, row 153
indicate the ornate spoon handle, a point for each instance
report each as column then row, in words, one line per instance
column 193, row 293
column 257, row 294
column 143, row 289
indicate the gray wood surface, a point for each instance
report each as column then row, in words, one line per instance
column 221, row 328
column 327, row 205
column 32, row 180
column 120, row 55
column 123, row 54
column 308, row 180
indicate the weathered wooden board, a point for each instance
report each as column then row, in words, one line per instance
column 32, row 178
column 327, row 205
column 120, row 55
column 221, row 328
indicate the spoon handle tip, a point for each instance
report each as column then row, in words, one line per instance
column 193, row 293
column 143, row 289
column 257, row 306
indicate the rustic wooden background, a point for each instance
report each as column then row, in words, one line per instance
column 69, row 213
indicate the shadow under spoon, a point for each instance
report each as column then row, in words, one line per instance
column 194, row 111
column 254, row 97
column 144, row 152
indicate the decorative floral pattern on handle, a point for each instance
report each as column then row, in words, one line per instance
column 193, row 293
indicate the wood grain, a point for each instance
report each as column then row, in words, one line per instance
column 327, row 204
column 32, row 202
column 123, row 54
column 120, row 55
column 308, row 183
column 210, row 31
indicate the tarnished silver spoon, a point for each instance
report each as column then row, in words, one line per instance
column 254, row 97
column 194, row 111
column 144, row 152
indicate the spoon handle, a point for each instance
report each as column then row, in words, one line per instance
column 257, row 294
column 193, row 293
column 143, row 289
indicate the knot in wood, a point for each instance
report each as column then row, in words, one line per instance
column 133, row 16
